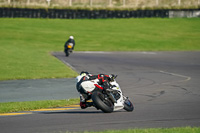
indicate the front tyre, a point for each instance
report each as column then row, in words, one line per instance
column 128, row 106
column 101, row 102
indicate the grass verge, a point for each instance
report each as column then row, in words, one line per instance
column 32, row 105
column 154, row 130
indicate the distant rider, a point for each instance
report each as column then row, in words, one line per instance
column 85, row 88
column 70, row 41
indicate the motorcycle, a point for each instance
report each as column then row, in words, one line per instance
column 108, row 100
column 68, row 49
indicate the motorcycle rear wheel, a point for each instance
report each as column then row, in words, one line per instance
column 128, row 106
column 66, row 52
column 100, row 102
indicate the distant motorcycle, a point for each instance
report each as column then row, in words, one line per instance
column 111, row 99
column 68, row 49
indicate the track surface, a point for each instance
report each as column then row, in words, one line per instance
column 164, row 86
column 37, row 89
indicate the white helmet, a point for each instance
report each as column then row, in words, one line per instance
column 71, row 37
column 82, row 74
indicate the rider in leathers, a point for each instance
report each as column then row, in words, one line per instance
column 70, row 40
column 103, row 84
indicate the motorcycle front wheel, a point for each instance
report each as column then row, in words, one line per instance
column 128, row 106
column 101, row 102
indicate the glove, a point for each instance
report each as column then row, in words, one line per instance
column 112, row 77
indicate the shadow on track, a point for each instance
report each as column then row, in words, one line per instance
column 73, row 112
column 78, row 112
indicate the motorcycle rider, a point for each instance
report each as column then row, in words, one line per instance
column 70, row 40
column 85, row 88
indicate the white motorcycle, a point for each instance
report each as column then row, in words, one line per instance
column 107, row 100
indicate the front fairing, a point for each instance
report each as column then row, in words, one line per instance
column 120, row 102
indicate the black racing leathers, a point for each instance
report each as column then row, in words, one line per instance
column 69, row 41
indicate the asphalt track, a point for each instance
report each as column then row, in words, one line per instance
column 37, row 89
column 164, row 86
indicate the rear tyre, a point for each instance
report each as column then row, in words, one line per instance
column 102, row 103
column 128, row 106
column 67, row 52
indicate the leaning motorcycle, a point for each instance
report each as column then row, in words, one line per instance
column 109, row 100
column 68, row 49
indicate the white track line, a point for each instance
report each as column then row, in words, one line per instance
column 187, row 78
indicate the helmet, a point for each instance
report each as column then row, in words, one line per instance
column 71, row 37
column 84, row 73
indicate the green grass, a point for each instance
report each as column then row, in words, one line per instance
column 154, row 130
column 32, row 105
column 26, row 44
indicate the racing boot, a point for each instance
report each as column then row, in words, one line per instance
column 84, row 105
